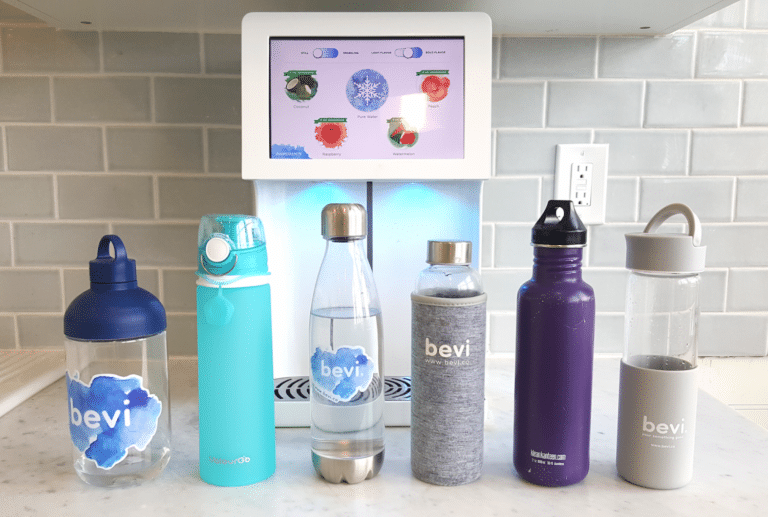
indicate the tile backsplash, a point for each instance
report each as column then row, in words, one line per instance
column 139, row 134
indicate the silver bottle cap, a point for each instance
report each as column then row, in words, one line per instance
column 449, row 252
column 343, row 221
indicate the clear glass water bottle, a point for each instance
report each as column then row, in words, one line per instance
column 117, row 375
column 659, row 378
column 447, row 367
column 347, row 388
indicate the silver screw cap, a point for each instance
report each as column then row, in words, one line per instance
column 449, row 252
column 343, row 221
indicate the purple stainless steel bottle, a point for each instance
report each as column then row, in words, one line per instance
column 555, row 344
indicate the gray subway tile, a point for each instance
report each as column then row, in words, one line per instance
column 547, row 57
column 123, row 99
column 57, row 244
column 139, row 52
column 179, row 290
column 645, row 152
column 606, row 244
column 209, row 100
column 746, row 290
column 30, row 291
column 502, row 331
column 41, row 148
column 513, row 246
column 752, row 199
column 41, row 331
column 757, row 15
column 182, row 334
column 224, row 150
column 155, row 149
column 732, row 54
column 25, row 99
column 511, row 200
column 594, row 104
column 755, row 103
column 487, row 245
column 621, row 200
column 729, row 152
column 7, row 333
column 735, row 245
column 710, row 198
column 731, row 17
column 26, row 196
column 733, row 334
column 610, row 288
column 5, row 244
column 532, row 152
column 609, row 333
column 517, row 104
column 191, row 198
column 49, row 50
column 160, row 245
column 106, row 197
column 222, row 53
column 665, row 57
column 77, row 281
column 713, row 289
column 692, row 104
column 502, row 285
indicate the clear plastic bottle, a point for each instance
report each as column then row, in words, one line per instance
column 659, row 378
column 346, row 373
column 117, row 375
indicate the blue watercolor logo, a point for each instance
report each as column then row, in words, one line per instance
column 111, row 415
column 340, row 375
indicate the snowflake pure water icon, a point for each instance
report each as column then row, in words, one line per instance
column 367, row 90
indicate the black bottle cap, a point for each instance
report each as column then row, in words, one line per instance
column 566, row 230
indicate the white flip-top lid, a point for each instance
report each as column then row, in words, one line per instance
column 667, row 252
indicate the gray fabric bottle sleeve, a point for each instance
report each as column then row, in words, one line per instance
column 447, row 392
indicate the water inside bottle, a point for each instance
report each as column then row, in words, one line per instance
column 660, row 362
column 354, row 428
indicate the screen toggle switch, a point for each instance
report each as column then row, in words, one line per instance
column 325, row 52
column 408, row 52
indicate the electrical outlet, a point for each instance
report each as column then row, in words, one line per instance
column 581, row 173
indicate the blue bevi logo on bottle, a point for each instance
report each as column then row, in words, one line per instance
column 341, row 374
column 111, row 415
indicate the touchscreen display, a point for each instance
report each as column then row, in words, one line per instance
column 365, row 98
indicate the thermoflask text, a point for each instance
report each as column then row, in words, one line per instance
column 447, row 367
column 234, row 349
column 555, row 343
column 117, row 375
column 659, row 378
column 346, row 389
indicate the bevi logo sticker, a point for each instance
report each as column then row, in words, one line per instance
column 110, row 415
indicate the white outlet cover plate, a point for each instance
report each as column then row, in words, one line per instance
column 597, row 156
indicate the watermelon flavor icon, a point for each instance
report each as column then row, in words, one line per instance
column 401, row 134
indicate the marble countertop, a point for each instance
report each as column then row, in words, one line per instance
column 37, row 477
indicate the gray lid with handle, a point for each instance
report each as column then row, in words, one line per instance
column 667, row 252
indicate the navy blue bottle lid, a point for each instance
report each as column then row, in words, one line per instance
column 559, row 226
column 115, row 307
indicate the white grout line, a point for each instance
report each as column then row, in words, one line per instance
column 51, row 99
column 156, row 196
column 152, row 101
column 4, row 149
column 16, row 337
column 104, row 149
column 201, row 45
column 55, row 182
column 101, row 52
column 206, row 154
column 545, row 104
column 734, row 199
column 596, row 71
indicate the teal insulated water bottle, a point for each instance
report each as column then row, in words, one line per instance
column 234, row 351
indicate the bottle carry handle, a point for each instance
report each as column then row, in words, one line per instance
column 694, row 225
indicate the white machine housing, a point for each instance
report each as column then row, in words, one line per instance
column 410, row 201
